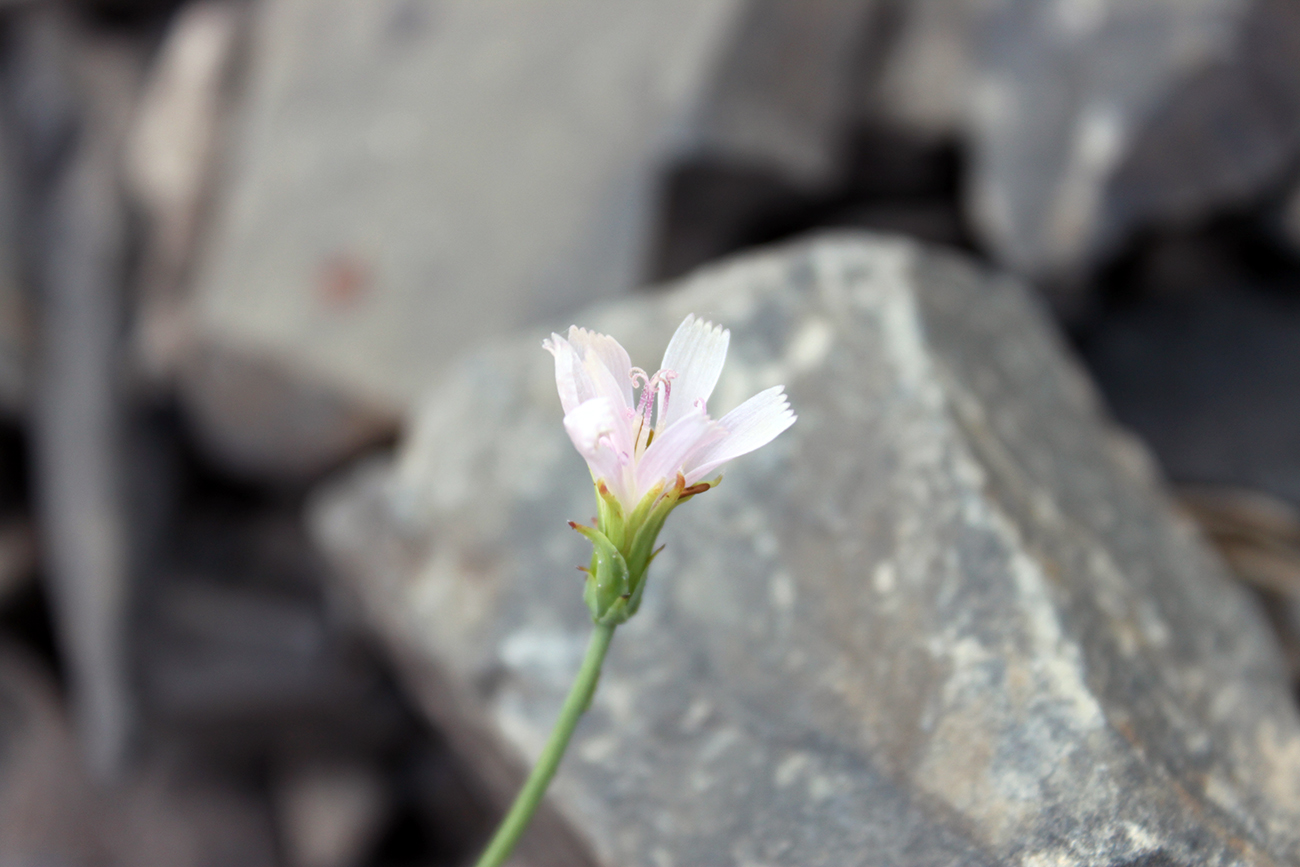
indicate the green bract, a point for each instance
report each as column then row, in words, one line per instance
column 623, row 547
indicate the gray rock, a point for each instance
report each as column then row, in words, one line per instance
column 781, row 97
column 33, row 53
column 15, row 309
column 265, row 418
column 409, row 178
column 923, row 79
column 1094, row 119
column 330, row 813
column 168, row 171
column 948, row 618
column 48, row 806
column 78, row 406
column 179, row 812
column 51, row 812
column 1089, row 119
column 19, row 557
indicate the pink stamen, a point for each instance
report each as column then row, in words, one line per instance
column 643, row 408
column 665, row 378
column 650, row 389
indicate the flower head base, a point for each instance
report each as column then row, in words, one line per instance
column 649, row 443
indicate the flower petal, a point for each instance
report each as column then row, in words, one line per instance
column 753, row 424
column 571, row 379
column 593, row 427
column 606, row 361
column 671, row 449
column 695, row 354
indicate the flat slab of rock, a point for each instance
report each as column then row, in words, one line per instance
column 948, row 618
column 409, row 178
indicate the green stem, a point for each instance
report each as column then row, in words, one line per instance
column 530, row 796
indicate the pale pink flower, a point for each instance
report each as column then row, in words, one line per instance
column 636, row 430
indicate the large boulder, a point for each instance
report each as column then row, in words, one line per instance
column 950, row 617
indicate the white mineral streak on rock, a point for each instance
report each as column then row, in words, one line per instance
column 884, row 577
column 551, row 654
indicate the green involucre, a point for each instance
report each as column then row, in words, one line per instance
column 623, row 547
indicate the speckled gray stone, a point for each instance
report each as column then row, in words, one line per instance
column 948, row 618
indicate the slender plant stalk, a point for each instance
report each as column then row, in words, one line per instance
column 530, row 796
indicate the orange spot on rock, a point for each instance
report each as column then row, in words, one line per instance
column 344, row 280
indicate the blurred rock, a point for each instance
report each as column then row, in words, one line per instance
column 126, row 13
column 782, row 96
column 1088, row 120
column 51, row 812
column 19, row 556
column 31, row 50
column 1285, row 221
column 409, row 179
column 169, row 157
column 1091, row 120
column 949, row 617
column 923, row 78
column 15, row 309
column 45, row 103
column 263, row 418
column 330, row 814
column 1259, row 538
column 1206, row 375
column 447, row 800
column 48, row 809
column 78, row 412
column 887, row 180
column 221, row 658
column 179, row 812
column 1258, row 535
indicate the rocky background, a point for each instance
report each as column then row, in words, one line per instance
column 283, row 566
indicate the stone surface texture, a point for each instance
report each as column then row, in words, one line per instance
column 950, row 617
